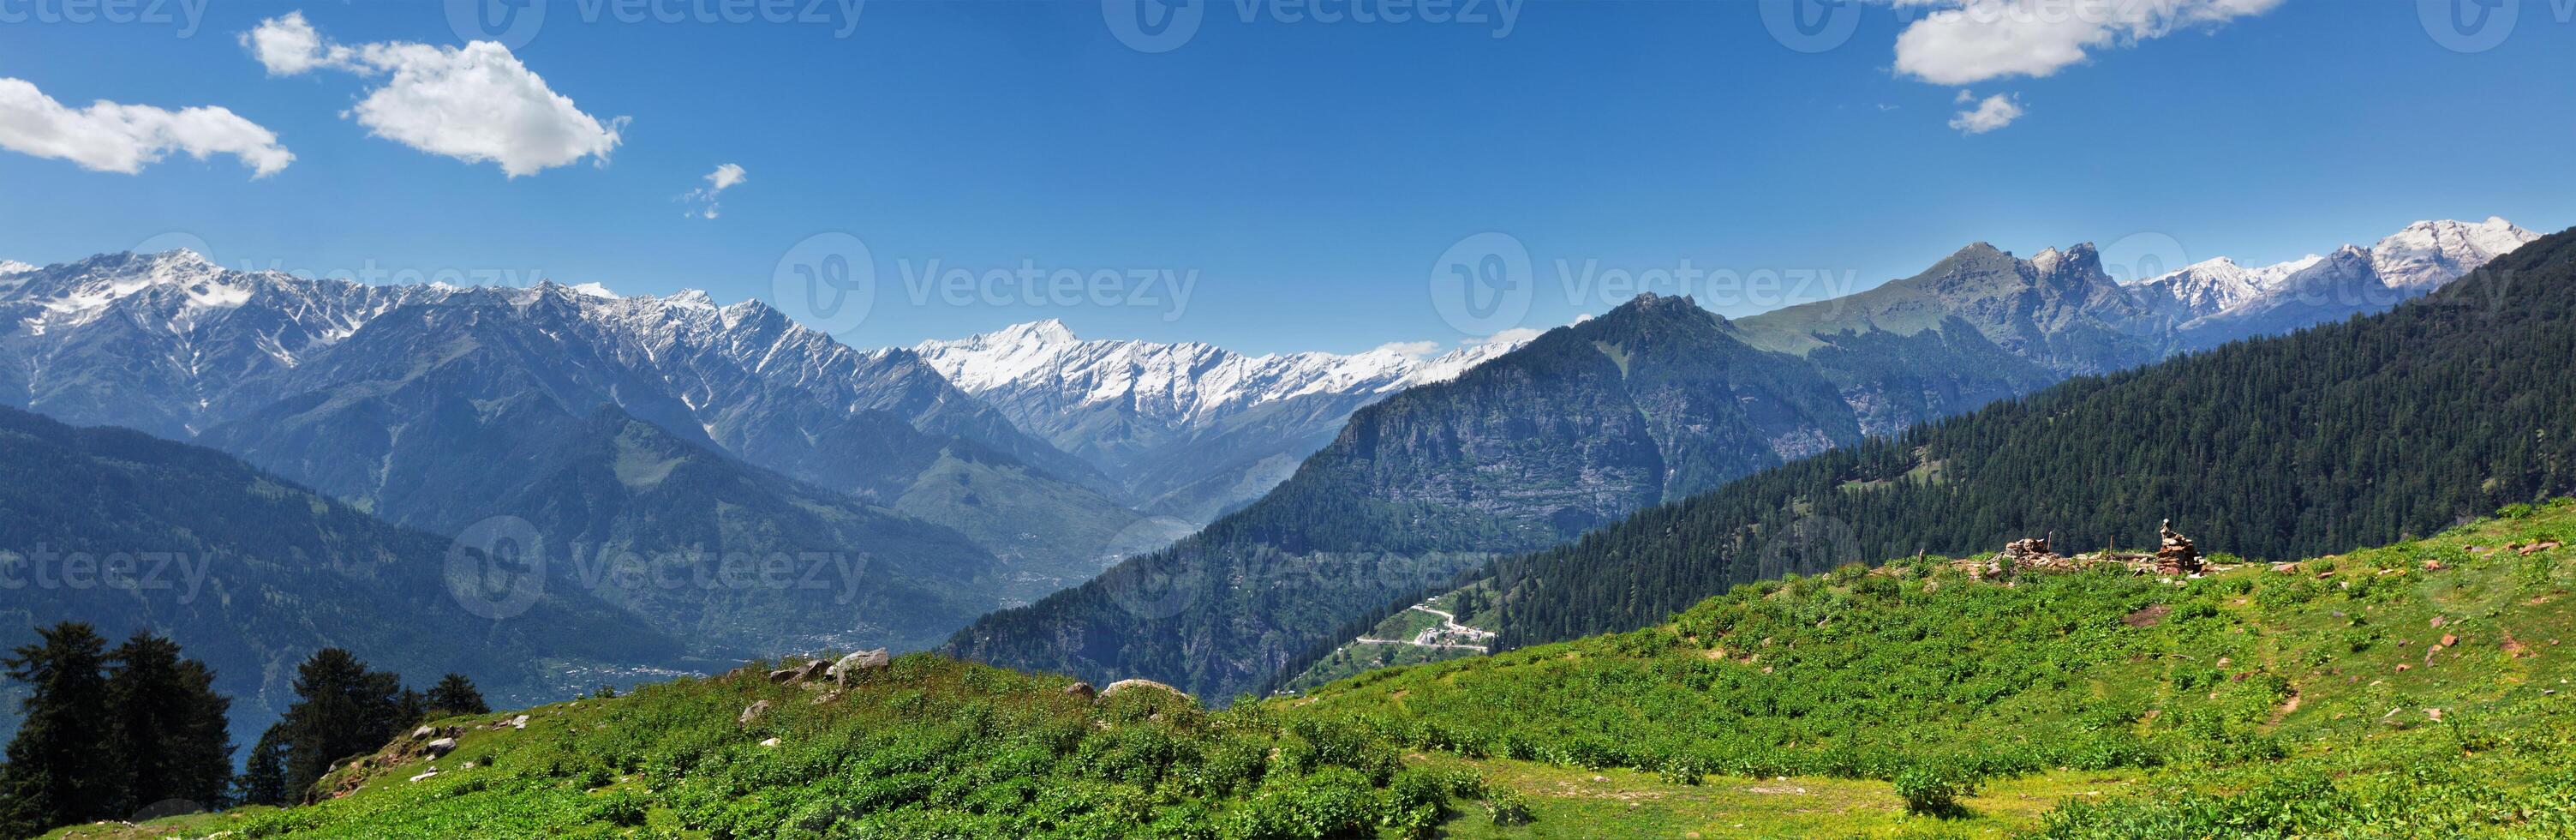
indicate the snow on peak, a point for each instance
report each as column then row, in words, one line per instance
column 8, row 267
column 2421, row 256
column 594, row 290
column 2431, row 253
column 1185, row 382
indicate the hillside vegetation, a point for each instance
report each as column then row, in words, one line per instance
column 2410, row 690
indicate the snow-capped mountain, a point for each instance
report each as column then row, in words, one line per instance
column 2219, row 300
column 2429, row 254
column 2206, row 287
column 1190, row 429
column 338, row 384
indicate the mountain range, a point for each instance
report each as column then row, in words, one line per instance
column 1188, row 430
column 952, row 478
column 669, row 429
column 1655, row 401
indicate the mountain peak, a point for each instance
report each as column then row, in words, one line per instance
column 14, row 267
column 1049, row 331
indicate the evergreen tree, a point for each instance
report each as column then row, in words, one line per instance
column 57, row 775
column 263, row 779
column 456, row 695
column 342, row 710
column 166, row 728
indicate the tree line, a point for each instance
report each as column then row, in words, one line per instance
column 138, row 730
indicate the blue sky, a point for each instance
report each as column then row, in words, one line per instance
column 1309, row 175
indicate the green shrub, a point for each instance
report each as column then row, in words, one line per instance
column 1934, row 789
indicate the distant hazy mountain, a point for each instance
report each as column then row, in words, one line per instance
column 251, row 574
column 1188, row 430
column 1654, row 401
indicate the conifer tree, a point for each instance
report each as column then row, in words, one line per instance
column 57, row 774
column 456, row 695
column 166, row 729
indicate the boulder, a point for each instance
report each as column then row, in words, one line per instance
column 859, row 663
column 423, row 732
column 440, row 747
column 784, row 675
column 1123, row 686
column 753, row 712
column 813, row 670
column 1082, row 690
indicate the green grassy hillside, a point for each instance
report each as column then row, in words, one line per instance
column 2412, row 690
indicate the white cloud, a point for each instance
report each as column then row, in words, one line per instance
column 109, row 137
column 1995, row 112
column 476, row 103
column 725, row 176
column 1969, row 41
column 288, row 45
